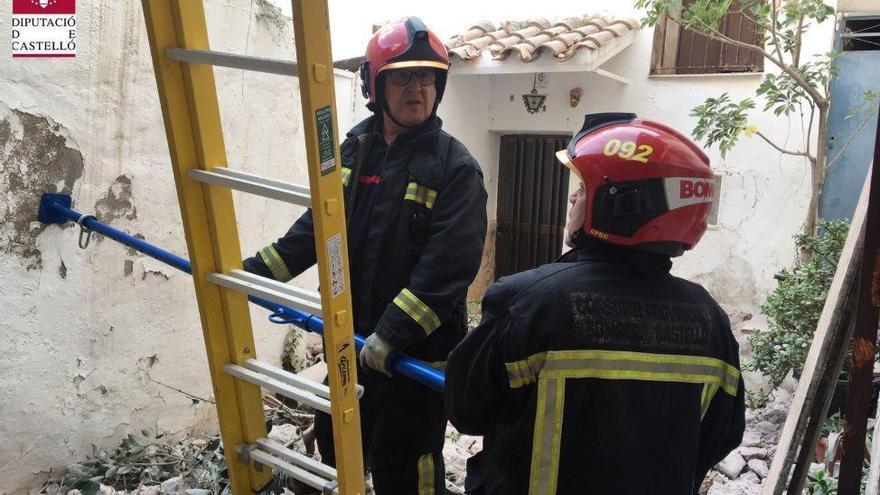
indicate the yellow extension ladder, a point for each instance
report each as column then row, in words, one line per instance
column 184, row 74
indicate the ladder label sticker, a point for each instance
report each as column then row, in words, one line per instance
column 326, row 151
column 344, row 366
column 334, row 255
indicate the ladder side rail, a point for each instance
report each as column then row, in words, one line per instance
column 192, row 123
column 317, row 94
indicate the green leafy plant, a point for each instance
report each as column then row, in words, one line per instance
column 795, row 305
column 820, row 483
column 800, row 88
column 757, row 399
column 720, row 120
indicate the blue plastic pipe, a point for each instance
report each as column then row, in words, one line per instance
column 55, row 208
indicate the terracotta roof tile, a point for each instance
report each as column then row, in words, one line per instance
column 533, row 38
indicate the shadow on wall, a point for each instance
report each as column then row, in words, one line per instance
column 37, row 156
column 733, row 284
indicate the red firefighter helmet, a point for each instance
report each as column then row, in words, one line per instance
column 647, row 186
column 401, row 44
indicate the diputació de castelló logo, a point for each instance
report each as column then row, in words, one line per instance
column 43, row 28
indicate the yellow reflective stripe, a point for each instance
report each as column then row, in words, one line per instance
column 346, row 176
column 426, row 474
column 275, row 263
column 558, row 409
column 709, row 390
column 420, row 194
column 547, row 438
column 525, row 371
column 417, row 310
column 624, row 365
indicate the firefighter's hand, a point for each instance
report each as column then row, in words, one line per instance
column 375, row 353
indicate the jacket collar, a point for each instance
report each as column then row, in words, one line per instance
column 427, row 169
column 417, row 136
column 649, row 265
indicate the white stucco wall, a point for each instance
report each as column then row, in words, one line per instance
column 86, row 332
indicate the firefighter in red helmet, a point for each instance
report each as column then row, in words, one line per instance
column 583, row 368
column 416, row 219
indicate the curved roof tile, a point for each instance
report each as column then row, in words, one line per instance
column 530, row 39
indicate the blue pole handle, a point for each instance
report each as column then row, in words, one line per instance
column 55, row 208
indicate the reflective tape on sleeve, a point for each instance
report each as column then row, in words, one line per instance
column 421, row 194
column 276, row 265
column 417, row 310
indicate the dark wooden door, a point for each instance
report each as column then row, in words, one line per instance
column 532, row 202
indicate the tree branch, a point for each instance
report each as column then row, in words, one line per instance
column 774, row 29
column 810, row 127
column 796, row 56
column 780, row 149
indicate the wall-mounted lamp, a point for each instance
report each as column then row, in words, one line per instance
column 575, row 95
column 534, row 101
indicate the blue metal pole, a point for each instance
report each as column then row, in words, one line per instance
column 55, row 208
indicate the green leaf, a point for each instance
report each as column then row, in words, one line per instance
column 720, row 121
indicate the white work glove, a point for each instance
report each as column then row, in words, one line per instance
column 375, row 353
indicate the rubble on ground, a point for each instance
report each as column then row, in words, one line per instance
column 743, row 471
column 456, row 451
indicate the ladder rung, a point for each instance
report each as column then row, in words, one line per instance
column 245, row 62
column 254, row 184
column 278, row 386
column 310, row 296
column 277, row 373
column 311, row 479
column 297, row 459
column 272, row 290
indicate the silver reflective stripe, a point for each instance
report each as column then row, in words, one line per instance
column 624, row 365
column 420, row 194
column 417, row 310
column 625, row 369
column 708, row 394
column 547, row 437
column 275, row 263
column 525, row 371
column 426, row 474
column 551, row 369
